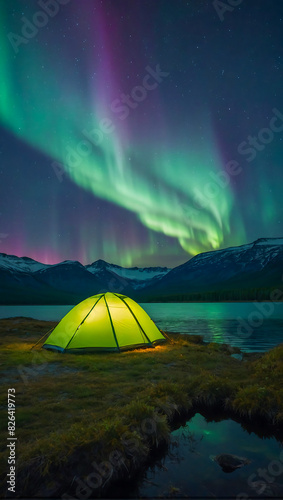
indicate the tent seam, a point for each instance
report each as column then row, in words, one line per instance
column 137, row 321
column 83, row 321
column 111, row 322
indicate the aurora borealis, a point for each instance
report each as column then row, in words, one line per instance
column 119, row 120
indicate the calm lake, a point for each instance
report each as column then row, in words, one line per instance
column 251, row 326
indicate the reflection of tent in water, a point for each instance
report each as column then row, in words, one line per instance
column 104, row 322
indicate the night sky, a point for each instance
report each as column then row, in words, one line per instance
column 141, row 132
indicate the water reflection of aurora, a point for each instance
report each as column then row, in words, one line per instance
column 189, row 468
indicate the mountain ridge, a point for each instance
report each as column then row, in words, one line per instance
column 248, row 271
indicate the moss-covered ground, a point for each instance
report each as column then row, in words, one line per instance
column 72, row 410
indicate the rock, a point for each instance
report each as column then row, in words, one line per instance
column 229, row 463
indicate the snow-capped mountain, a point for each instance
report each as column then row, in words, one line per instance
column 24, row 280
column 20, row 264
column 246, row 272
column 136, row 276
column 257, row 265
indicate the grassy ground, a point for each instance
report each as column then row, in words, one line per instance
column 74, row 409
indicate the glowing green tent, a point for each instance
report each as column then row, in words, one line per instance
column 104, row 322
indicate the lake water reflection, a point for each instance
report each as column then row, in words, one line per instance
column 188, row 470
column 249, row 326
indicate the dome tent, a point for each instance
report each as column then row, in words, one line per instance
column 104, row 322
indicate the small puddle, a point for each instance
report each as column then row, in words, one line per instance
column 187, row 470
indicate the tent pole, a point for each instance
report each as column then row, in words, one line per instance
column 113, row 329
column 133, row 314
column 82, row 322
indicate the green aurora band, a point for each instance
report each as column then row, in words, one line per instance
column 163, row 186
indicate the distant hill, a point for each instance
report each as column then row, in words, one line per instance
column 247, row 272
column 26, row 281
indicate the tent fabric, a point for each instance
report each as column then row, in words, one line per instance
column 104, row 322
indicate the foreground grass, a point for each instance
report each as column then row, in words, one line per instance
column 73, row 409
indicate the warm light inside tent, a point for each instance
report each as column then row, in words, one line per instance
column 104, row 322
